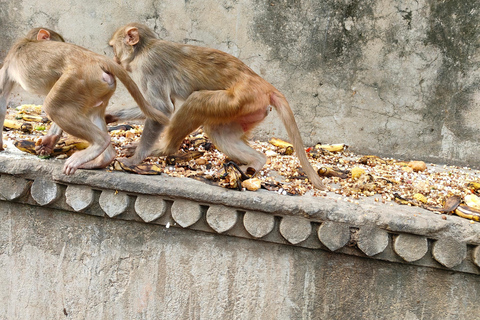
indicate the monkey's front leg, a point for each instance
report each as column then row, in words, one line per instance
column 44, row 145
column 5, row 87
column 150, row 135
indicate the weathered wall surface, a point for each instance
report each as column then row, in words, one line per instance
column 57, row 265
column 386, row 77
column 109, row 245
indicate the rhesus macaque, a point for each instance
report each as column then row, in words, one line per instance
column 200, row 86
column 78, row 84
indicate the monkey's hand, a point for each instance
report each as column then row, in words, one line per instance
column 44, row 146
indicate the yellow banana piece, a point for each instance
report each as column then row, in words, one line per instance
column 28, row 117
column 473, row 201
column 29, row 108
column 468, row 212
column 280, row 143
column 18, row 125
column 474, row 185
column 12, row 124
column 420, row 197
column 332, row 147
column 25, row 146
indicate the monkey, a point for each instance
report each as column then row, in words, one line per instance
column 78, row 84
column 198, row 86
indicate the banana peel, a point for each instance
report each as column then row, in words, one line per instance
column 474, row 186
column 330, row 172
column 468, row 212
column 450, row 205
column 472, row 200
column 145, row 169
column 185, row 157
column 65, row 147
column 33, row 118
column 280, row 143
column 17, row 125
column 371, row 160
column 332, row 147
column 29, row 108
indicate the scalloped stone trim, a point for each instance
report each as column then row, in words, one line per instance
column 364, row 240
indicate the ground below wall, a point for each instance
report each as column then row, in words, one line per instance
column 111, row 245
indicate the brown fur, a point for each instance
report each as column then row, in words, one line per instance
column 201, row 86
column 78, row 84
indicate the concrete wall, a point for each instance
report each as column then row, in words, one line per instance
column 112, row 245
column 57, row 265
column 386, row 77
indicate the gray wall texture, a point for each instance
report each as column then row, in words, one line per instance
column 387, row 77
column 58, row 265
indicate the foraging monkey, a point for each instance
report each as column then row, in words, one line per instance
column 201, row 86
column 78, row 84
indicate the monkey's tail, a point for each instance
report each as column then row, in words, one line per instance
column 286, row 114
column 133, row 89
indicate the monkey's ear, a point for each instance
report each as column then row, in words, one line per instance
column 132, row 36
column 43, row 35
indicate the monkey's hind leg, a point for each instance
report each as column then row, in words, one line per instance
column 109, row 154
column 230, row 139
column 67, row 107
column 6, row 86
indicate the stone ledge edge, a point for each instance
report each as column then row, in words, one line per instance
column 315, row 223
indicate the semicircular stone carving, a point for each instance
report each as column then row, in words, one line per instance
column 79, row 197
column 372, row 240
column 258, row 224
column 449, row 252
column 334, row 235
column 295, row 229
column 45, row 191
column 186, row 213
column 410, row 247
column 150, row 208
column 221, row 218
column 113, row 203
column 12, row 188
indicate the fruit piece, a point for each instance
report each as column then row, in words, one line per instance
column 357, row 172
column 252, row 184
column 18, row 125
column 332, row 147
column 474, row 186
column 420, row 197
column 417, row 166
column 28, row 117
column 468, row 212
column 280, row 143
column 29, row 108
column 330, row 172
column 473, row 201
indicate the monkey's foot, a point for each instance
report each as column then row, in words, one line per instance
column 129, row 162
column 129, row 149
column 101, row 161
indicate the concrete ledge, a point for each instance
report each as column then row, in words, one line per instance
column 395, row 233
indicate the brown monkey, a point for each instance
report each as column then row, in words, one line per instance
column 78, row 84
column 201, row 86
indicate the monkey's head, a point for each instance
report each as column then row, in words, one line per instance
column 128, row 41
column 44, row 34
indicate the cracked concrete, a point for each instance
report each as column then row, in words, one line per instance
column 114, row 245
column 389, row 79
